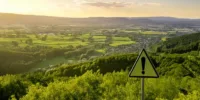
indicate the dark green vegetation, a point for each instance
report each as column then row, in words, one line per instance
column 182, row 44
column 23, row 51
column 107, row 78
column 94, row 78
column 49, row 58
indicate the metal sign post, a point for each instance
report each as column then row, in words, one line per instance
column 143, row 68
column 142, row 89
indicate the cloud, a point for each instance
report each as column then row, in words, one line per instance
column 107, row 4
column 151, row 4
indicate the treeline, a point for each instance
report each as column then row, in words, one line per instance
column 181, row 44
column 167, row 64
column 82, row 52
column 12, row 62
column 25, row 58
column 104, row 64
column 107, row 78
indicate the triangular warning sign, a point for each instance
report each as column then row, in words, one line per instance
column 143, row 67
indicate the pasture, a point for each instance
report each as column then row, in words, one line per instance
column 57, row 41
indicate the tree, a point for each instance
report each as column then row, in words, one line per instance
column 37, row 36
column 83, row 56
column 108, row 39
column 44, row 38
column 29, row 41
column 90, row 39
column 15, row 43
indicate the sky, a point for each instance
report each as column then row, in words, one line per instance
column 103, row 8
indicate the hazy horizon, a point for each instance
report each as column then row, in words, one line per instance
column 103, row 8
column 99, row 16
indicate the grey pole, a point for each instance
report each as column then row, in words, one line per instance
column 142, row 89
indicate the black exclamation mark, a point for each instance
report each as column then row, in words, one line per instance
column 143, row 65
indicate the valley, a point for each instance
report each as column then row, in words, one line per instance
column 89, row 58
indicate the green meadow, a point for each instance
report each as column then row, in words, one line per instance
column 117, row 41
column 57, row 41
column 153, row 32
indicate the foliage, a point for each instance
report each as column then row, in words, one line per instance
column 93, row 85
column 103, row 78
column 182, row 44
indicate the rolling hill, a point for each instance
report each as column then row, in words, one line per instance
column 7, row 19
column 181, row 44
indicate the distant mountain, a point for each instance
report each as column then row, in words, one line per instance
column 169, row 19
column 6, row 18
column 172, row 20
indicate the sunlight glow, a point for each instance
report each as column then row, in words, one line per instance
column 98, row 8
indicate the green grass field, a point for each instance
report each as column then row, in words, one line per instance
column 130, row 31
column 87, row 35
column 153, row 32
column 60, row 43
column 57, row 41
column 121, row 39
column 164, row 39
column 121, row 43
column 101, row 50
column 52, row 41
column 172, row 32
column 116, row 41
column 100, row 39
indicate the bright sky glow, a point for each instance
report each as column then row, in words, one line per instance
column 103, row 8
